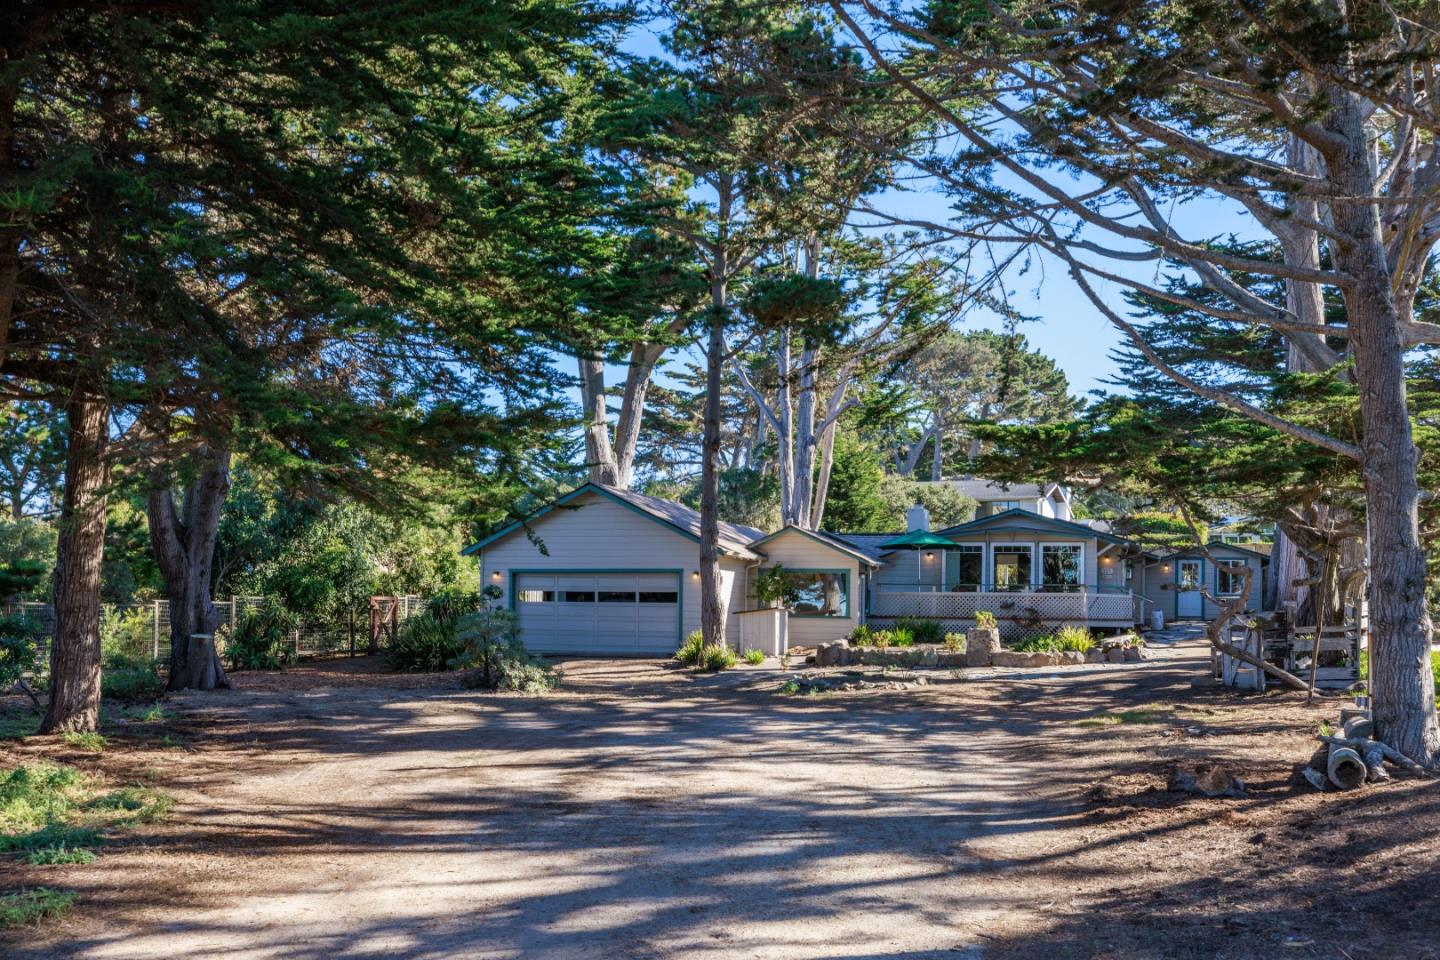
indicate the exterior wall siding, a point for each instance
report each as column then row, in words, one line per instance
column 1160, row 582
column 597, row 534
column 795, row 551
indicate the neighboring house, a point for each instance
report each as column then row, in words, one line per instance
column 1045, row 499
column 1178, row 583
column 609, row 571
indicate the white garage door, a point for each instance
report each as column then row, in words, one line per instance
column 599, row 612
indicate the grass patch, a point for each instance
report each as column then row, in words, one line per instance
column 754, row 657
column 32, row 906
column 89, row 740
column 790, row 688
column 61, row 856
column 717, row 657
column 1115, row 718
column 139, row 681
column 689, row 652
column 47, row 807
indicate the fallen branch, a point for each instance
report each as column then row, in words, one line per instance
column 1390, row 753
column 1284, row 676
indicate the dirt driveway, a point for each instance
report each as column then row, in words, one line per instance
column 642, row 813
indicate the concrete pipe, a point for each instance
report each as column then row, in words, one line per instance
column 1345, row 768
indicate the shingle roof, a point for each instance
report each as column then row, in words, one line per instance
column 828, row 539
column 735, row 539
column 868, row 543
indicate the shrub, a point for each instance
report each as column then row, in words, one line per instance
column 862, row 636
column 882, row 639
column 689, row 652
column 716, row 657
column 126, row 637
column 19, row 636
column 261, row 640
column 921, row 630
column 140, row 681
column 902, row 637
column 985, row 620
column 1434, row 669
column 754, row 657
column 448, row 606
column 28, row 906
column 773, row 588
column 424, row 644
column 494, row 656
column 1073, row 638
column 1036, row 643
column 34, row 798
column 955, row 642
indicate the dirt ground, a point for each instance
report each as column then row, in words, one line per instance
column 336, row 812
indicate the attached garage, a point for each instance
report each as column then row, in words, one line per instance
column 613, row 613
column 610, row 572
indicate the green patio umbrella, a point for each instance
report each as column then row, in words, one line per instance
column 918, row 540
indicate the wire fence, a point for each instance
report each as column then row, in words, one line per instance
column 146, row 626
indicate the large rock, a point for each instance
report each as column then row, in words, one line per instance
column 981, row 646
column 830, row 654
column 1009, row 658
column 949, row 658
column 1070, row 657
column 1095, row 655
column 1115, row 655
column 1132, row 655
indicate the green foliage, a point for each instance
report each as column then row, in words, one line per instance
column 60, row 856
column 25, row 907
column 715, row 657
column 262, row 638
column 424, row 644
column 1157, row 528
column 87, row 740
column 920, row 629
column 985, row 620
column 1071, row 637
column 856, row 501
column 494, row 656
column 19, row 636
column 27, row 545
column 126, row 636
column 946, row 505
column 862, row 635
column 896, row 636
column 136, row 682
column 772, row 587
column 132, row 805
column 689, row 652
column 35, row 798
column 1434, row 670
column 955, row 642
column 1035, row 643
column 754, row 657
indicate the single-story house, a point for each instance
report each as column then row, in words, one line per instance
column 603, row 570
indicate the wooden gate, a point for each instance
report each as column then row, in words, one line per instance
column 384, row 620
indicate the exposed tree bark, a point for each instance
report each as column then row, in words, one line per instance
column 184, row 547
column 1403, row 688
column 822, row 482
column 75, row 650
column 712, row 601
column 612, row 459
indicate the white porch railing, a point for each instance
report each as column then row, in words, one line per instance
column 1081, row 606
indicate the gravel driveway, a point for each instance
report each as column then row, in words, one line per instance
column 645, row 814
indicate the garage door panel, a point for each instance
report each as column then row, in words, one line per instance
column 600, row 613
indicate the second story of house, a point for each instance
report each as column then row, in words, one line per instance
column 1051, row 500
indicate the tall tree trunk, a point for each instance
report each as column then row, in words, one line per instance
column 712, row 603
column 1401, row 683
column 599, row 452
column 184, row 546
column 612, row 462
column 822, row 483
column 80, row 551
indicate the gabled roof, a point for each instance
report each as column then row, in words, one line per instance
column 832, row 541
column 734, row 538
column 1024, row 520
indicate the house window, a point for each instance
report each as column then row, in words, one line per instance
column 578, row 596
column 965, row 567
column 536, row 596
column 1062, row 567
column 1228, row 577
column 999, row 506
column 817, row 593
column 617, row 596
column 1010, row 567
column 658, row 596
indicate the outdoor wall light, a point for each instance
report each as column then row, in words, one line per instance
column 695, row 574
column 1164, row 568
column 495, row 575
column 929, row 555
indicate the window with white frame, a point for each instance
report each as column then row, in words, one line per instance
column 1229, row 577
column 1062, row 566
column 1010, row 566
